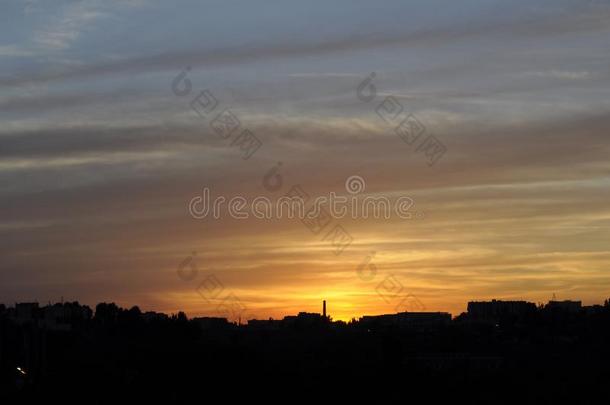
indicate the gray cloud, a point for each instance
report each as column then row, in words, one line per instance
column 537, row 26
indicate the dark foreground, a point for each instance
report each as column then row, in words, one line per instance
column 120, row 356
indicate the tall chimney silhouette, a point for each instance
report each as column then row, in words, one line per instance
column 324, row 308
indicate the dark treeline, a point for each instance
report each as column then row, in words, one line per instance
column 497, row 352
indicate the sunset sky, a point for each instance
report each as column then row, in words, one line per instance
column 99, row 157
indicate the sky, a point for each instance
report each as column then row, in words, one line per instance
column 101, row 152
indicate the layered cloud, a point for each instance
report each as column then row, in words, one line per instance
column 99, row 158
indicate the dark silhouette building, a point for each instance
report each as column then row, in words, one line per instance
column 207, row 323
column 407, row 320
column 150, row 357
column 566, row 306
column 495, row 310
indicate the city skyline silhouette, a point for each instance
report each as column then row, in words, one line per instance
column 392, row 200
